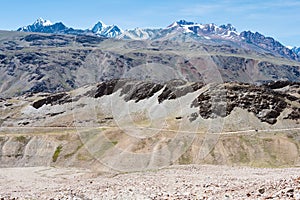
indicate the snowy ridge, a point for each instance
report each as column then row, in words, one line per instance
column 181, row 30
column 38, row 24
column 101, row 29
column 140, row 34
column 205, row 30
column 40, row 21
column 45, row 26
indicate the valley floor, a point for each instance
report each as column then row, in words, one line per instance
column 176, row 182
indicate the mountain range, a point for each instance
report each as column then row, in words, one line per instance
column 47, row 57
column 206, row 33
column 141, row 99
column 45, row 26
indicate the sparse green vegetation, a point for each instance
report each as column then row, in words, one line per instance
column 56, row 153
column 21, row 139
column 186, row 158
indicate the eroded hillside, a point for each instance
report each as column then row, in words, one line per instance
column 130, row 125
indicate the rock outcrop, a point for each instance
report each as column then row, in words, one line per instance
column 264, row 102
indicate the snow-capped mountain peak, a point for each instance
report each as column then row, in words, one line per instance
column 175, row 24
column 45, row 26
column 205, row 30
column 102, row 29
column 181, row 30
column 41, row 25
column 40, row 21
column 98, row 27
column 112, row 31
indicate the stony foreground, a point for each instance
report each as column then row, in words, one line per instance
column 177, row 182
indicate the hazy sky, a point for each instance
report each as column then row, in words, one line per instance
column 277, row 18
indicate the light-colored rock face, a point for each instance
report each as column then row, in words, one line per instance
column 132, row 125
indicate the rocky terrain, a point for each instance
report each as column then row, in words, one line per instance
column 177, row 182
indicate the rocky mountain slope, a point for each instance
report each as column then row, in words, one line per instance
column 131, row 125
column 35, row 62
column 296, row 50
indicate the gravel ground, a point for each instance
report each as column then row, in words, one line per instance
column 176, row 182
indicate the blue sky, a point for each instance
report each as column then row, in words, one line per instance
column 277, row 18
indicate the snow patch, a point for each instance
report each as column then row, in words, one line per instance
column 42, row 22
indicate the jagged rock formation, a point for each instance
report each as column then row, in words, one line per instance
column 52, row 100
column 266, row 104
column 137, row 90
